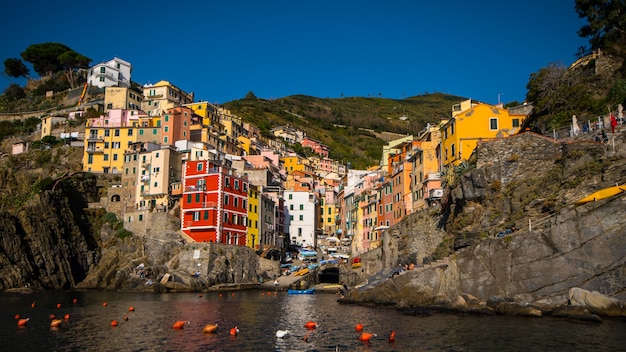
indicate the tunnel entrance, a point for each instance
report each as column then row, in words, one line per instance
column 329, row 275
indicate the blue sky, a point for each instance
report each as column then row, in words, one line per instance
column 220, row 50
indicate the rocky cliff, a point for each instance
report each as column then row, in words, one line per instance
column 527, row 183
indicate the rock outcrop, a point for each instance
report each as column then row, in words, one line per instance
column 557, row 254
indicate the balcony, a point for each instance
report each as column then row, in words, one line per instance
column 95, row 150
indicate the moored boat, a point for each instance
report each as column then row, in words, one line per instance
column 301, row 292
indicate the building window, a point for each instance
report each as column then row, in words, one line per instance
column 301, row 206
column 291, row 217
column 103, row 69
column 107, row 133
column 197, row 197
column 189, row 199
column 493, row 123
column 290, row 206
column 196, row 215
column 452, row 150
column 452, row 128
column 290, row 196
column 106, row 157
column 226, row 199
column 301, row 217
column 515, row 122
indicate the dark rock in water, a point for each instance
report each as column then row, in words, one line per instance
column 575, row 313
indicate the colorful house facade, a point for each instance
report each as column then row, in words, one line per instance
column 214, row 203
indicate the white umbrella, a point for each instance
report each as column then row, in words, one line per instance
column 333, row 239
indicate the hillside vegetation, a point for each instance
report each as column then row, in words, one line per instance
column 352, row 127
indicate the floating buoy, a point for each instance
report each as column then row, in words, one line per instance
column 33, row 304
column 233, row 294
column 310, row 325
column 66, row 316
column 74, row 300
column 282, row 333
column 220, row 295
column 234, row 331
column 17, row 316
column 359, row 327
column 58, row 305
column 113, row 323
column 210, row 328
column 392, row 336
column 131, row 309
column 365, row 337
column 22, row 322
column 104, row 304
column 180, row 324
column 125, row 317
column 55, row 323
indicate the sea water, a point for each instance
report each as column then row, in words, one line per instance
column 259, row 314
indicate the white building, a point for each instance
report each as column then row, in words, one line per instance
column 301, row 217
column 113, row 73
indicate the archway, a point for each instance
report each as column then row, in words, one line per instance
column 115, row 198
column 329, row 275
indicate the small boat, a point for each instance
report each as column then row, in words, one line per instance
column 301, row 292
column 302, row 272
column 603, row 193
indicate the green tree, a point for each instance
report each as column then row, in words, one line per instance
column 15, row 68
column 45, row 57
column 14, row 93
column 72, row 61
column 606, row 23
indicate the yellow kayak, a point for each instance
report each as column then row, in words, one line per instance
column 302, row 272
column 601, row 194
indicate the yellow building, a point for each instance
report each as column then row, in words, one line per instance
column 294, row 162
column 208, row 112
column 253, row 217
column 163, row 95
column 107, row 138
column 122, row 98
column 478, row 122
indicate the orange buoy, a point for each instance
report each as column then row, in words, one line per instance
column 52, row 316
column 33, row 304
column 392, row 336
column 359, row 327
column 66, row 316
column 58, row 305
column 365, row 337
column 210, row 328
column 125, row 317
column 74, row 300
column 104, row 304
column 55, row 323
column 180, row 324
column 17, row 316
column 22, row 322
column 234, row 331
column 233, row 294
column 220, row 295
column 310, row 325
column 113, row 323
column 131, row 309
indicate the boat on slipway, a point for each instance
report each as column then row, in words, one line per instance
column 301, row 292
column 602, row 194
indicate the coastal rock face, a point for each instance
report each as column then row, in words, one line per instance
column 527, row 184
column 48, row 243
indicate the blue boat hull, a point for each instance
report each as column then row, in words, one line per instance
column 301, row 292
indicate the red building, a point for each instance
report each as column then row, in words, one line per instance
column 214, row 203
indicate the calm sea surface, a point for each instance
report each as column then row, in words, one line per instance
column 260, row 314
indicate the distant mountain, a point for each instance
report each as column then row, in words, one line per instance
column 353, row 127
